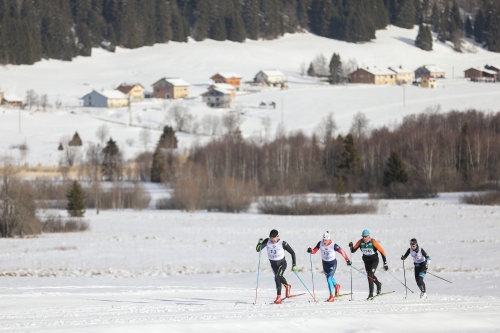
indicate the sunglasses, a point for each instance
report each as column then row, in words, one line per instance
column 413, row 245
column 365, row 236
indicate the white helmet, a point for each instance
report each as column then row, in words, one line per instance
column 326, row 236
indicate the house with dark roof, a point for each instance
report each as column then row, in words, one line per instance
column 135, row 91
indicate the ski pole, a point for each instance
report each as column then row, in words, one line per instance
column 440, row 277
column 258, row 273
column 312, row 275
column 351, row 283
column 400, row 281
column 363, row 273
column 305, row 286
column 404, row 273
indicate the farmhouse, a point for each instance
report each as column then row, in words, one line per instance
column 170, row 88
column 105, row 99
column 11, row 100
column 494, row 68
column 217, row 97
column 480, row 75
column 269, row 77
column 228, row 78
column 403, row 75
column 135, row 91
column 430, row 70
column 428, row 81
column 373, row 75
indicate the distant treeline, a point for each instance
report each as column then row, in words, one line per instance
column 62, row 29
column 425, row 153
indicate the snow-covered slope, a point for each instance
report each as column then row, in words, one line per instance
column 178, row 272
column 301, row 107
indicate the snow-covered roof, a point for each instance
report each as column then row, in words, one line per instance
column 272, row 72
column 222, row 91
column 177, row 82
column 223, row 86
column 434, row 69
column 110, row 94
column 400, row 70
column 10, row 97
column 228, row 75
column 378, row 71
column 487, row 71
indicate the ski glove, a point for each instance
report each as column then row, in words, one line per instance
column 309, row 250
column 348, row 262
column 402, row 257
column 385, row 266
column 294, row 268
column 261, row 240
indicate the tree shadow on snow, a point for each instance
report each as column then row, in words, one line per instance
column 408, row 41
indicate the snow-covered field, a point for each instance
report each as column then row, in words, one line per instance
column 303, row 106
column 179, row 272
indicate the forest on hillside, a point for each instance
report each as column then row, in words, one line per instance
column 31, row 30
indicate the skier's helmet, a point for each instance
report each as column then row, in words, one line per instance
column 326, row 236
column 365, row 232
column 273, row 233
column 413, row 241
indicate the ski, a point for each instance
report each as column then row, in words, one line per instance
column 291, row 296
column 342, row 295
column 381, row 294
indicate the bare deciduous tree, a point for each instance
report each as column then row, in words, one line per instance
column 181, row 117
column 31, row 98
column 320, row 64
column 44, row 102
column 327, row 127
column 232, row 121
column 349, row 66
column 102, row 133
column 359, row 125
column 303, row 68
column 145, row 137
column 211, row 125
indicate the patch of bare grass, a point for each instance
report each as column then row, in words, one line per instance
column 301, row 205
column 490, row 198
column 55, row 223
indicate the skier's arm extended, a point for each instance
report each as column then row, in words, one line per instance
column 355, row 247
column 380, row 249
column 342, row 252
column 404, row 256
column 289, row 249
column 264, row 243
column 316, row 248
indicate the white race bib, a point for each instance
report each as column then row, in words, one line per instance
column 327, row 251
column 275, row 251
column 418, row 258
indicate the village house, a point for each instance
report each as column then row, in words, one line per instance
column 170, row 88
column 135, row 91
column 480, row 75
column 493, row 68
column 11, row 100
column 430, row 70
column 428, row 81
column 228, row 78
column 217, row 97
column 269, row 77
column 224, row 86
column 403, row 75
column 373, row 75
column 106, row 99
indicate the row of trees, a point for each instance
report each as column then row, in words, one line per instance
column 32, row 30
column 438, row 152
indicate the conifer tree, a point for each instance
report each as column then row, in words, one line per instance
column 335, row 69
column 310, row 70
column 340, row 188
column 163, row 30
column 350, row 161
column 168, row 140
column 405, row 14
column 455, row 22
column 419, row 11
column 219, row 30
column 251, row 10
column 479, row 27
column 494, row 29
column 236, row 28
column 76, row 200
column 424, row 38
column 158, row 164
column 111, row 161
column 435, row 17
column 469, row 31
column 395, row 170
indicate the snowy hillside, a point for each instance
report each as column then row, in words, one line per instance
column 303, row 105
column 170, row 271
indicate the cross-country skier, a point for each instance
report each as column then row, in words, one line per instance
column 421, row 261
column 276, row 248
column 370, row 248
column 328, row 248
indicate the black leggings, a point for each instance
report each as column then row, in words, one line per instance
column 279, row 267
column 420, row 270
column 371, row 267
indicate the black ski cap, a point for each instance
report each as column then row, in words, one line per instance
column 273, row 233
column 413, row 241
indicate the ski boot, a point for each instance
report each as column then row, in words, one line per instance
column 337, row 289
column 288, row 287
column 370, row 296
column 331, row 299
column 423, row 295
column 379, row 288
column 278, row 300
